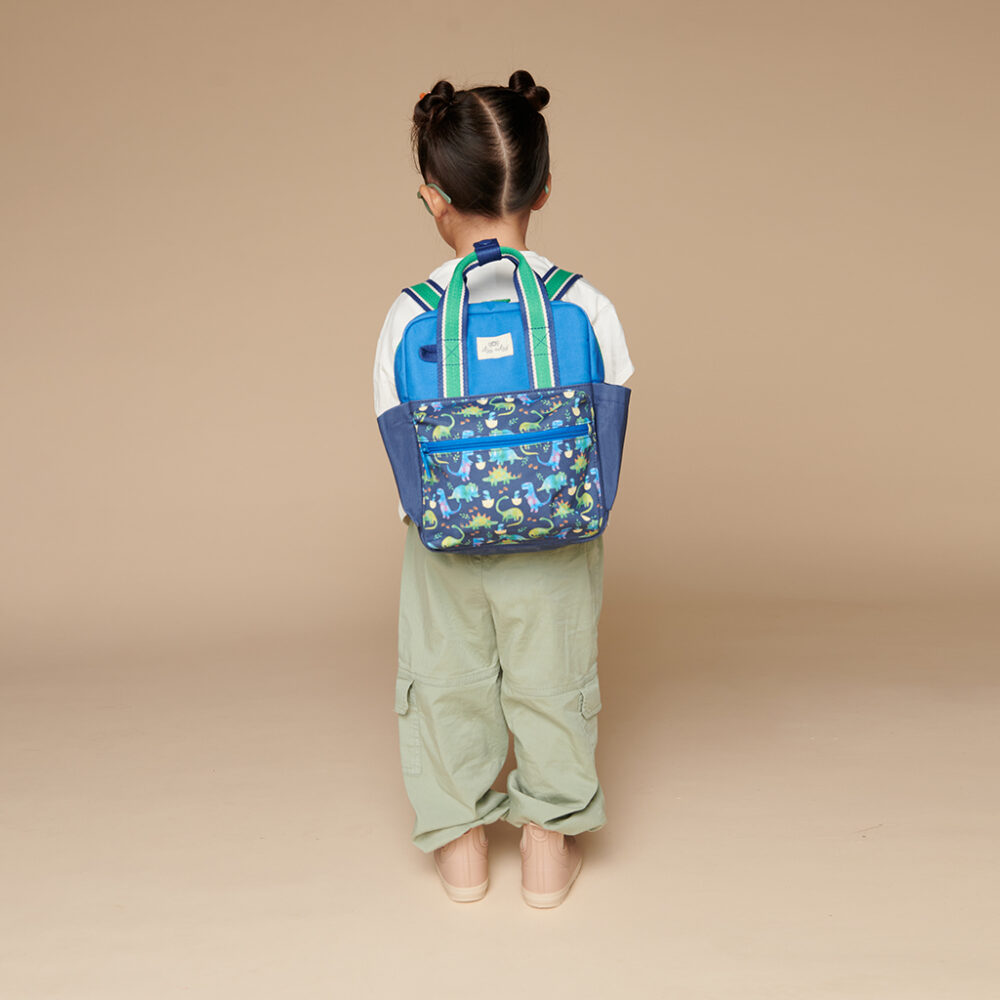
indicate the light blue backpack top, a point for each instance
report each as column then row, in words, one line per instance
column 506, row 437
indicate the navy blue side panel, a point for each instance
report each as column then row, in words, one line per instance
column 611, row 408
column 400, row 440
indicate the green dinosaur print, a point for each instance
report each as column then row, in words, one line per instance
column 444, row 430
column 503, row 404
column 585, row 504
column 450, row 541
column 540, row 531
column 500, row 474
column 505, row 492
column 464, row 491
column 479, row 521
column 511, row 515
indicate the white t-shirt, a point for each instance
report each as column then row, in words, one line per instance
column 495, row 281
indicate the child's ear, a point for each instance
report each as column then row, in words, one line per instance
column 433, row 200
column 544, row 196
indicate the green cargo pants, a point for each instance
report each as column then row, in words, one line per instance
column 488, row 642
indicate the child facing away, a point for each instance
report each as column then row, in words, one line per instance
column 503, row 639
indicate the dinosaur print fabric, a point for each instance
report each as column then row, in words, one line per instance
column 509, row 469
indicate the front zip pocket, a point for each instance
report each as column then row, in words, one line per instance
column 509, row 469
column 497, row 440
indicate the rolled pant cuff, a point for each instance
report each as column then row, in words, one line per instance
column 431, row 840
column 550, row 816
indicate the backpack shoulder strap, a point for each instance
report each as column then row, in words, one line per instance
column 558, row 282
column 427, row 294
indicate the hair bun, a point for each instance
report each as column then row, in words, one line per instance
column 432, row 105
column 523, row 83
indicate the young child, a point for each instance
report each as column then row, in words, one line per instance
column 508, row 639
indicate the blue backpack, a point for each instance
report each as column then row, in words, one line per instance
column 506, row 437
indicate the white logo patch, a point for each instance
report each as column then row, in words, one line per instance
column 495, row 347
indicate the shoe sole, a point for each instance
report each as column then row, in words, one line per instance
column 463, row 894
column 547, row 900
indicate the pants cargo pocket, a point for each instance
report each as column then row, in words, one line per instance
column 409, row 726
column 590, row 705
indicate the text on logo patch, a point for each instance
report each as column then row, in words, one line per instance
column 494, row 347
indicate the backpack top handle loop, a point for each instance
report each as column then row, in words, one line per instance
column 453, row 321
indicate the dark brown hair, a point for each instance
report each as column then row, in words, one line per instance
column 487, row 147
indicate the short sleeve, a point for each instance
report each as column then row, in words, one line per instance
column 618, row 365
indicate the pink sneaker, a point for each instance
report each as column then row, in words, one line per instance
column 462, row 866
column 550, row 863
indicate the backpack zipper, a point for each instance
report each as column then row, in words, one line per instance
column 500, row 440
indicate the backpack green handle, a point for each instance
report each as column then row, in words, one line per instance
column 453, row 321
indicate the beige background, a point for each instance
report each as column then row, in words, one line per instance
column 207, row 209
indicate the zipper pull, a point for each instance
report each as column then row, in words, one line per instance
column 428, row 472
